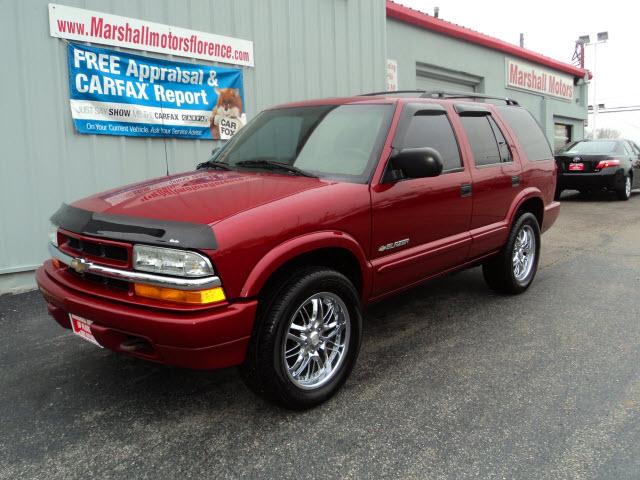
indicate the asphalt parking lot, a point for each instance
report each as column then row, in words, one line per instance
column 453, row 381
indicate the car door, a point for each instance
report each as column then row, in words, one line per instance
column 496, row 177
column 420, row 225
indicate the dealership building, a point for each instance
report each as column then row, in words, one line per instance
column 63, row 133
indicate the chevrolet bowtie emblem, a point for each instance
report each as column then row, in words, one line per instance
column 80, row 265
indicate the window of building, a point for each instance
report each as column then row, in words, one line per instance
column 562, row 135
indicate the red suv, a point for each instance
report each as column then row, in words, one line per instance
column 265, row 255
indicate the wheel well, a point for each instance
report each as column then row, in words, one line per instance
column 535, row 206
column 339, row 259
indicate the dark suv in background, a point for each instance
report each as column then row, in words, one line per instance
column 592, row 165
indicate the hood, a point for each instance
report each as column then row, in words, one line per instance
column 203, row 197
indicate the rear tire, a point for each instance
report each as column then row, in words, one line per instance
column 314, row 317
column 513, row 269
column 624, row 191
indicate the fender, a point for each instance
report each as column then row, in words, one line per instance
column 302, row 244
column 526, row 194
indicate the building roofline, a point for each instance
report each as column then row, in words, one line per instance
column 422, row 20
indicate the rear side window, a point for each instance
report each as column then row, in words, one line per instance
column 528, row 131
column 503, row 147
column 482, row 140
column 434, row 131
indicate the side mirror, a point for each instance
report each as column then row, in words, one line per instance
column 418, row 162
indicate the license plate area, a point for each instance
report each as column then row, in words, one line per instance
column 576, row 167
column 82, row 327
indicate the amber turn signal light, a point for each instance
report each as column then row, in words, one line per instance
column 201, row 297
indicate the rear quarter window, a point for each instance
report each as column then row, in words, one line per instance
column 530, row 136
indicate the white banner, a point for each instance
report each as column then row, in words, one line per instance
column 127, row 112
column 103, row 28
column 526, row 76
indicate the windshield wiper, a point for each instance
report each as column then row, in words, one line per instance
column 272, row 164
column 213, row 164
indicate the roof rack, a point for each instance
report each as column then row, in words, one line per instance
column 443, row 94
column 373, row 94
column 446, row 95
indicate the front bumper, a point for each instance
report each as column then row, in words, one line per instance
column 209, row 338
column 608, row 178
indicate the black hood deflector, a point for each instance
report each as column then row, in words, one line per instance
column 135, row 229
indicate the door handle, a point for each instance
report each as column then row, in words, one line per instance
column 515, row 181
column 465, row 190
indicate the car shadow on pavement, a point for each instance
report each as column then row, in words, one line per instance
column 601, row 196
column 417, row 320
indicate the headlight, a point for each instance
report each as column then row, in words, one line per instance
column 170, row 261
column 53, row 234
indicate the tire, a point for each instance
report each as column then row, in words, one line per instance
column 273, row 357
column 500, row 272
column 624, row 192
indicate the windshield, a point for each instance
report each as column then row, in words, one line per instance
column 594, row 148
column 329, row 141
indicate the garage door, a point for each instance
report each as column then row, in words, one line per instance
column 449, row 85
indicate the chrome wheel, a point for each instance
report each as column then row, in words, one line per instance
column 627, row 186
column 316, row 340
column 524, row 252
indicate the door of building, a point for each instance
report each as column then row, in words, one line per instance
column 563, row 134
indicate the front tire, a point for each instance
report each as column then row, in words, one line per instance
column 513, row 269
column 624, row 191
column 306, row 339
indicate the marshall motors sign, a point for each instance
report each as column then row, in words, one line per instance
column 526, row 76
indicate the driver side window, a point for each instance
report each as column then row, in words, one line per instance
column 433, row 130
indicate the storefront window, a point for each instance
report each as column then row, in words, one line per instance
column 562, row 136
